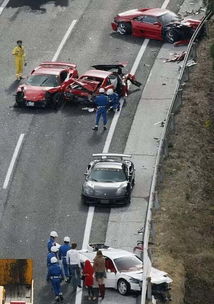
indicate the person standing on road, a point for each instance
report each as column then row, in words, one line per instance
column 52, row 240
column 113, row 99
column 52, row 254
column 100, row 272
column 63, row 249
column 88, row 272
column 19, row 53
column 73, row 261
column 55, row 275
column 102, row 103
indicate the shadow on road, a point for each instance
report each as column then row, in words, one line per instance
column 36, row 4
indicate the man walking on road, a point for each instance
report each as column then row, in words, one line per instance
column 56, row 276
column 19, row 53
column 52, row 240
column 63, row 249
column 102, row 103
column 73, row 261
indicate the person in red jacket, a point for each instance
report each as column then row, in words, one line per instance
column 88, row 272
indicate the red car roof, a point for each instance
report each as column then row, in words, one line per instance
column 47, row 71
column 154, row 12
column 143, row 12
column 53, row 68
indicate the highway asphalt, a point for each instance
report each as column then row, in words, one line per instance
column 44, row 191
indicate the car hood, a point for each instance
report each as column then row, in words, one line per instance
column 157, row 276
column 34, row 93
column 106, row 189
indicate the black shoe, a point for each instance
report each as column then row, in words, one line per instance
column 61, row 297
column 95, row 128
column 118, row 109
column 79, row 286
column 104, row 128
column 57, row 299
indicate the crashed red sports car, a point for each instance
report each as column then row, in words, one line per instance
column 46, row 84
column 154, row 23
column 104, row 76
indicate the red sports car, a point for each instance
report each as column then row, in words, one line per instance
column 104, row 76
column 46, row 84
column 154, row 23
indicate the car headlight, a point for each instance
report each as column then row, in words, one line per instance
column 88, row 190
column 121, row 190
column 135, row 281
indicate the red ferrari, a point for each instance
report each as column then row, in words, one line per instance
column 46, row 84
column 107, row 76
column 154, row 23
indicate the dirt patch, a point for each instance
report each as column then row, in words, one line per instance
column 185, row 222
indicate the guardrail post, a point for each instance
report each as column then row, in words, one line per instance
column 194, row 51
column 185, row 76
column 178, row 101
column 156, row 202
column 149, row 290
column 172, row 122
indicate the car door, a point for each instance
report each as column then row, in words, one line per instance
column 111, row 280
column 148, row 26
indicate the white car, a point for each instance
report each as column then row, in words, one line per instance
column 124, row 270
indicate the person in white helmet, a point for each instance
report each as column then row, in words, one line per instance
column 55, row 275
column 113, row 99
column 102, row 103
column 52, row 240
column 53, row 253
column 63, row 249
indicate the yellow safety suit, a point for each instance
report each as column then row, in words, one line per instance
column 19, row 53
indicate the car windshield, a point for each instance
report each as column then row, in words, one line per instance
column 128, row 263
column 107, row 175
column 168, row 18
column 43, row 80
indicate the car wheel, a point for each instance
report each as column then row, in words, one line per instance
column 124, row 28
column 57, row 100
column 170, row 36
column 123, row 287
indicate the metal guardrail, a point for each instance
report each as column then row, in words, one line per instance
column 162, row 153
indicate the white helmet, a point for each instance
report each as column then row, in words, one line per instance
column 101, row 90
column 54, row 249
column 54, row 260
column 54, row 234
column 109, row 92
column 67, row 239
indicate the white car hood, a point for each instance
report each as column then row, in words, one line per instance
column 157, row 276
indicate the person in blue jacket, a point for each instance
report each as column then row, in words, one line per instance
column 62, row 256
column 55, row 275
column 52, row 240
column 114, row 99
column 102, row 103
column 54, row 250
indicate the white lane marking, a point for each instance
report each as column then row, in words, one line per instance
column 88, row 225
column 13, row 161
column 64, row 39
column 166, row 2
column 4, row 4
column 139, row 56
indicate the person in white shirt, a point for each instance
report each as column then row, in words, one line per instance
column 73, row 261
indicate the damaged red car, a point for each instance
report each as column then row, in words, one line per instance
column 103, row 76
column 154, row 23
column 46, row 84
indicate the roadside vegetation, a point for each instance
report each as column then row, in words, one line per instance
column 184, row 245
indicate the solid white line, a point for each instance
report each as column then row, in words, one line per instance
column 164, row 5
column 4, row 4
column 139, row 56
column 64, row 39
column 88, row 225
column 13, row 161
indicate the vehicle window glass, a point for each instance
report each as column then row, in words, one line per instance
column 107, row 175
column 139, row 19
column 168, row 18
column 43, row 80
column 150, row 19
column 109, row 265
column 128, row 263
column 63, row 75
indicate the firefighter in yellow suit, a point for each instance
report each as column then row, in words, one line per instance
column 19, row 53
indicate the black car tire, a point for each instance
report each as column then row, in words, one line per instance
column 58, row 100
column 124, row 28
column 170, row 36
column 123, row 287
